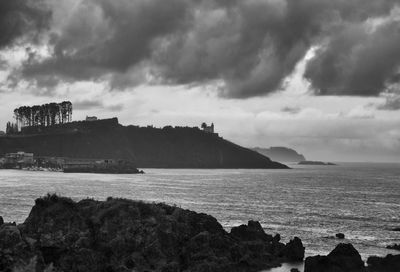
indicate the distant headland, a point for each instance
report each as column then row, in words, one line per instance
column 48, row 131
column 280, row 154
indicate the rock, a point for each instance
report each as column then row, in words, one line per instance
column 340, row 236
column 294, row 250
column 125, row 235
column 1, row 221
column 344, row 258
column 396, row 229
column 251, row 231
column 10, row 237
column 294, row 270
column 395, row 247
column 390, row 263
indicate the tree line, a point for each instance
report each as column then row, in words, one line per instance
column 42, row 115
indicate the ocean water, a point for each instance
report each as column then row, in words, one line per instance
column 311, row 202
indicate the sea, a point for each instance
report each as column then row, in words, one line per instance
column 361, row 200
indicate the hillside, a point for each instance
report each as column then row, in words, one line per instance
column 149, row 147
column 281, row 154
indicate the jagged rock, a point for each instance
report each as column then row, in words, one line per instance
column 1, row 221
column 344, row 258
column 294, row 250
column 294, row 270
column 390, row 263
column 251, row 231
column 125, row 235
column 340, row 236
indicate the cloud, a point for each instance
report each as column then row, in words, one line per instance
column 357, row 61
column 87, row 104
column 96, row 104
column 291, row 110
column 392, row 103
column 251, row 47
column 20, row 18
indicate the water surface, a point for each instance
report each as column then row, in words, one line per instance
column 312, row 202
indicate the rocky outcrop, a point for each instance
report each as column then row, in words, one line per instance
column 126, row 235
column 344, row 258
column 390, row 263
column 294, row 250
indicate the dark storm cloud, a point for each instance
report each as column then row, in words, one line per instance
column 19, row 18
column 358, row 61
column 251, row 46
column 104, row 37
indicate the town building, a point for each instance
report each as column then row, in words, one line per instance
column 91, row 118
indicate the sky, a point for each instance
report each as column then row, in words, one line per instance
column 320, row 76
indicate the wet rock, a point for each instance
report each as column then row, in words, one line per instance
column 390, row 263
column 395, row 247
column 344, row 258
column 294, row 270
column 396, row 229
column 294, row 250
column 1, row 221
column 340, row 236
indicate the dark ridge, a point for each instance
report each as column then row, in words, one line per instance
column 148, row 147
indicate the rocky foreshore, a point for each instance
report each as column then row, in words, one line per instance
column 345, row 258
column 125, row 235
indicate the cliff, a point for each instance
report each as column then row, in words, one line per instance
column 281, row 154
column 125, row 235
column 179, row 147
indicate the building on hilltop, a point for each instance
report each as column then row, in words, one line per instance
column 208, row 129
column 91, row 118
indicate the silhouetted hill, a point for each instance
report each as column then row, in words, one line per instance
column 281, row 154
column 179, row 147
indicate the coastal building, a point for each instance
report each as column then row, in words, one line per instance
column 91, row 118
column 19, row 159
column 208, row 129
